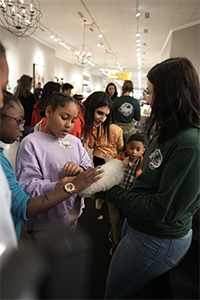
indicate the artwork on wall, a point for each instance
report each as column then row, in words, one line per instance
column 38, row 75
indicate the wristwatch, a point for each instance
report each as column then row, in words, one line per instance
column 70, row 188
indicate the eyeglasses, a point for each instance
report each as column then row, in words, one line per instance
column 20, row 122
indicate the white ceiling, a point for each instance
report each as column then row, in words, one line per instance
column 116, row 20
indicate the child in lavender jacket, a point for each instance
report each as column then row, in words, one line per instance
column 41, row 157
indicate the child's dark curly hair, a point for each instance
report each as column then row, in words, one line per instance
column 137, row 137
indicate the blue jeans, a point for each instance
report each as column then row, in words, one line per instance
column 139, row 258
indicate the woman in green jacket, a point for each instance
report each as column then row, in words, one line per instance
column 163, row 199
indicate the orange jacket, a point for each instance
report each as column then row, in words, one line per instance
column 124, row 155
column 101, row 145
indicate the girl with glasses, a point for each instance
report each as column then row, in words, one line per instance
column 7, row 231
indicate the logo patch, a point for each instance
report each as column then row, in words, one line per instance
column 156, row 159
column 126, row 109
column 65, row 144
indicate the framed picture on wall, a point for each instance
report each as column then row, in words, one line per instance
column 38, row 75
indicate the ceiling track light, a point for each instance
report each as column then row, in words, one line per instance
column 100, row 45
column 137, row 11
column 56, row 38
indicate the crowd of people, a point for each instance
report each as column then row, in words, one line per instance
column 151, row 210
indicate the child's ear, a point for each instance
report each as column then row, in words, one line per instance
column 48, row 111
column 143, row 150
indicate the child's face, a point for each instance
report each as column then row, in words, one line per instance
column 61, row 121
column 9, row 130
column 68, row 91
column 100, row 115
column 134, row 150
column 3, row 77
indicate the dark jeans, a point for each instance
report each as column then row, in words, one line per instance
column 98, row 161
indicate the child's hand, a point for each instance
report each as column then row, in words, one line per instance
column 84, row 180
column 63, row 181
column 72, row 169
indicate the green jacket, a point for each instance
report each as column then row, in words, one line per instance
column 165, row 196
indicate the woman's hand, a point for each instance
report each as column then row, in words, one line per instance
column 63, row 181
column 84, row 180
column 72, row 169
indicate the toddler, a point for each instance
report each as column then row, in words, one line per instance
column 135, row 148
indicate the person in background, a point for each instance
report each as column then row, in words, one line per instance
column 15, row 88
column 111, row 90
column 41, row 158
column 8, row 237
column 38, row 110
column 160, row 205
column 67, row 88
column 105, row 145
column 127, row 109
column 79, row 122
column 135, row 148
column 28, row 100
column 38, row 91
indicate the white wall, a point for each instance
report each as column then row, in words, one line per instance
column 74, row 74
column 10, row 43
column 184, row 42
column 22, row 53
column 166, row 51
column 32, row 52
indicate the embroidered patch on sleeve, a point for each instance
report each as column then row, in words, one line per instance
column 155, row 159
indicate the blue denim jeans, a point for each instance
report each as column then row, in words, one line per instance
column 139, row 258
